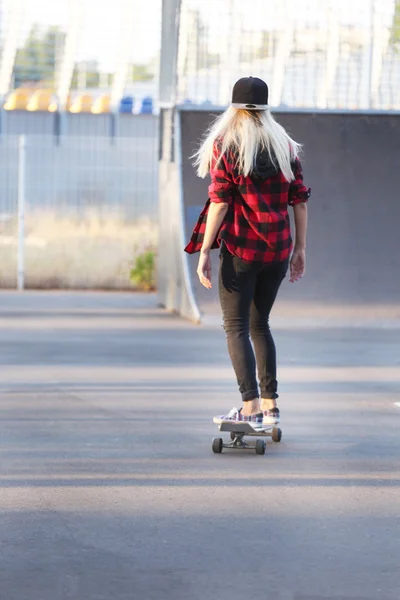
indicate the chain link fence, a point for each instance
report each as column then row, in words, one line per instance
column 89, row 207
column 313, row 53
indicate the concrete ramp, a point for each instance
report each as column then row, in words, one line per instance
column 351, row 162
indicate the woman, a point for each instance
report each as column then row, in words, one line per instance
column 255, row 174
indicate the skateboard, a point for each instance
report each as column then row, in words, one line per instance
column 238, row 431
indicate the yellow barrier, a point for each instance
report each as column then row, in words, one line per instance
column 40, row 100
column 101, row 105
column 53, row 106
column 82, row 103
column 18, row 99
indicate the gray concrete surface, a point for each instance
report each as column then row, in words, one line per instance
column 109, row 488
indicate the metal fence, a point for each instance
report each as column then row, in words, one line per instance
column 313, row 53
column 79, row 209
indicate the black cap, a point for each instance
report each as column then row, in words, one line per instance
column 250, row 93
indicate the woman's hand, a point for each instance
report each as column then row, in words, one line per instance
column 204, row 269
column 297, row 264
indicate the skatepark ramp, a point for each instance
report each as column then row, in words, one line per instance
column 174, row 280
column 351, row 162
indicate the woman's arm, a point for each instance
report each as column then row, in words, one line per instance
column 216, row 215
column 300, row 221
column 298, row 259
column 298, row 197
column 220, row 194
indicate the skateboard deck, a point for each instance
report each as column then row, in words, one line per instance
column 239, row 430
column 245, row 428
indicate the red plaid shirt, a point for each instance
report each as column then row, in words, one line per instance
column 256, row 226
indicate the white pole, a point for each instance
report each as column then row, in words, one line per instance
column 66, row 64
column 21, row 212
column 283, row 49
column 379, row 47
column 126, row 35
column 366, row 66
column 10, row 45
column 332, row 56
column 230, row 67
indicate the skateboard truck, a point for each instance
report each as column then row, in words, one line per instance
column 237, row 433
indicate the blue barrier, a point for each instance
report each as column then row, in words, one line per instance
column 126, row 104
column 147, row 106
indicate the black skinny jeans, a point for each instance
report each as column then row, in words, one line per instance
column 247, row 293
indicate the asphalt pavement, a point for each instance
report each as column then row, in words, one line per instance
column 109, row 487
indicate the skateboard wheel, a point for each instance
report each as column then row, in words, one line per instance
column 260, row 447
column 217, row 445
column 276, row 434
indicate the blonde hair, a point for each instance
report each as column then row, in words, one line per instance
column 246, row 133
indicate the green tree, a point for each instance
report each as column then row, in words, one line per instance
column 263, row 50
column 37, row 60
column 395, row 29
column 91, row 74
column 142, row 73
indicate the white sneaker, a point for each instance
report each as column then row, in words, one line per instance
column 235, row 416
column 271, row 417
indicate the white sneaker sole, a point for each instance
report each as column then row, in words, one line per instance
column 220, row 420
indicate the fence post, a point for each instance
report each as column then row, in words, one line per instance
column 168, row 76
column 21, row 212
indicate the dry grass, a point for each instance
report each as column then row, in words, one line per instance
column 91, row 251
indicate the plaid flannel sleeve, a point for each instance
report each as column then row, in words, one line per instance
column 222, row 185
column 297, row 190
